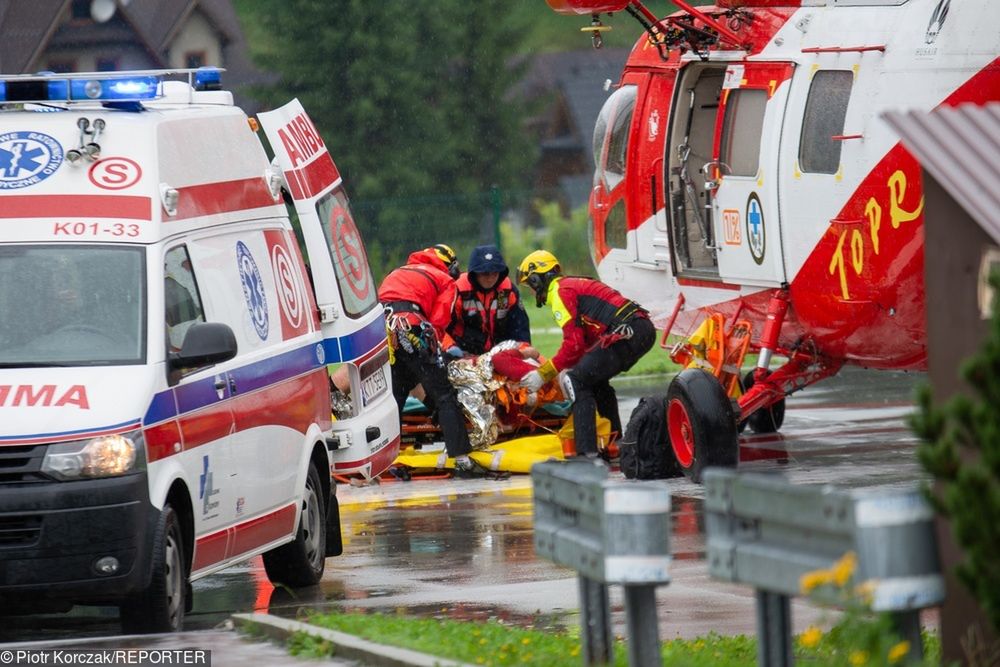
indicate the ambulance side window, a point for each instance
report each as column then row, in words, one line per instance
column 181, row 299
column 826, row 108
column 355, row 281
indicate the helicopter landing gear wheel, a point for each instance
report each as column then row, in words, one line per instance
column 765, row 420
column 700, row 423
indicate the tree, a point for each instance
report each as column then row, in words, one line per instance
column 413, row 102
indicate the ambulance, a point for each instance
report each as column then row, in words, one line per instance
column 178, row 381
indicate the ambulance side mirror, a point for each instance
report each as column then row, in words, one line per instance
column 205, row 343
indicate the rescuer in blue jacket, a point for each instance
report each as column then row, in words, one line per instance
column 489, row 308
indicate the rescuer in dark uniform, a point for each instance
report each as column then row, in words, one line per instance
column 419, row 299
column 489, row 308
column 603, row 334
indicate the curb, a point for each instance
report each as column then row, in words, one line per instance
column 349, row 647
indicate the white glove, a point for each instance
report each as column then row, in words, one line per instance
column 567, row 386
column 532, row 381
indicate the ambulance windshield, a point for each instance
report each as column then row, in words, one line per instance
column 71, row 305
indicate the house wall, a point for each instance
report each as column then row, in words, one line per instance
column 954, row 246
column 196, row 35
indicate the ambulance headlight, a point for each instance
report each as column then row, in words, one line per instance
column 104, row 456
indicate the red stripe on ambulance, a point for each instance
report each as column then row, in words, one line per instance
column 77, row 206
column 217, row 547
column 294, row 403
column 242, row 194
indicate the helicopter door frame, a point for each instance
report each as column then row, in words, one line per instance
column 689, row 146
column 745, row 169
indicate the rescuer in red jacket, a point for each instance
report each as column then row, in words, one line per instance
column 603, row 334
column 419, row 299
column 489, row 308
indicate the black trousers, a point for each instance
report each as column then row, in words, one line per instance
column 413, row 368
column 590, row 378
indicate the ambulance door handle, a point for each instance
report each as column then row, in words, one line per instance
column 232, row 385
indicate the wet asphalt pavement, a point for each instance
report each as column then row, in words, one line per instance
column 463, row 549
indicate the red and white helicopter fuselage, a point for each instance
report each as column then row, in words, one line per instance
column 744, row 169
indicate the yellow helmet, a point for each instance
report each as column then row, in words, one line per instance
column 536, row 271
column 448, row 256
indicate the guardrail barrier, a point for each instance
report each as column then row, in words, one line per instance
column 610, row 532
column 765, row 532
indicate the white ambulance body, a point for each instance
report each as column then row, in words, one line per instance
column 165, row 361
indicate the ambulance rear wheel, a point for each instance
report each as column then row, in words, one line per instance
column 300, row 562
column 765, row 420
column 701, row 425
column 161, row 607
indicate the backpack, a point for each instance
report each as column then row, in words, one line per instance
column 644, row 451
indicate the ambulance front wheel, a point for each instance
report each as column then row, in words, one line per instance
column 161, row 607
column 300, row 562
column 700, row 423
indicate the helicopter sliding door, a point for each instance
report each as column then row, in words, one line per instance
column 743, row 175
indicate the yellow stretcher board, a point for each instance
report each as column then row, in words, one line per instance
column 512, row 456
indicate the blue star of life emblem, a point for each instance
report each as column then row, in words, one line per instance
column 253, row 289
column 27, row 158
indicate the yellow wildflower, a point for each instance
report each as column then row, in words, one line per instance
column 844, row 568
column 810, row 581
column 811, row 636
column 858, row 658
column 866, row 591
column 898, row 652
column 526, row 641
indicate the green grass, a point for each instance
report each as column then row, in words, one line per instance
column 546, row 337
column 493, row 643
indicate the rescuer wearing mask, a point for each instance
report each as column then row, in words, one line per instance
column 489, row 308
column 419, row 299
column 603, row 334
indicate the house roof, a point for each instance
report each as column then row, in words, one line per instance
column 27, row 29
column 959, row 147
column 578, row 78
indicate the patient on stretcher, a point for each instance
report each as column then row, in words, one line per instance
column 491, row 397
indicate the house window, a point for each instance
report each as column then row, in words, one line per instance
column 826, row 108
column 61, row 66
column 742, row 127
column 80, row 10
column 194, row 59
column 107, row 64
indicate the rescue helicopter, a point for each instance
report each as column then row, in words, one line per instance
column 748, row 192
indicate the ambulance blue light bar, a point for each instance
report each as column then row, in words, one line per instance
column 56, row 88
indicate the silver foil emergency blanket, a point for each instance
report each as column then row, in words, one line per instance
column 476, row 387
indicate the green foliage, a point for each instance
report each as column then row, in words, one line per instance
column 409, row 102
column 860, row 637
column 961, row 449
column 305, row 645
column 564, row 237
column 495, row 643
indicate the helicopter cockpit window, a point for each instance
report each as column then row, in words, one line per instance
column 611, row 136
column 741, row 131
column 826, row 108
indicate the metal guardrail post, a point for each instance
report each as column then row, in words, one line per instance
column 595, row 622
column 610, row 532
column 774, row 629
column 766, row 532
